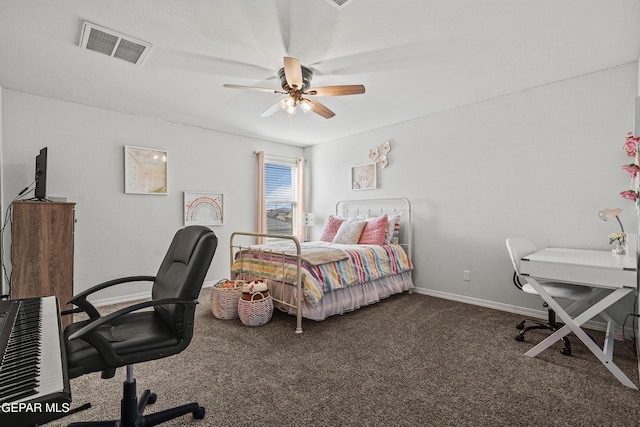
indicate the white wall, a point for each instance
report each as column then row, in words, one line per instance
column 535, row 164
column 120, row 234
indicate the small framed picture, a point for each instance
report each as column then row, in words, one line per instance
column 145, row 171
column 203, row 208
column 363, row 177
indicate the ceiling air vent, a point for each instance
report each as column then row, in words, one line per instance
column 340, row 3
column 114, row 44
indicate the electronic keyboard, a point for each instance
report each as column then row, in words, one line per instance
column 34, row 385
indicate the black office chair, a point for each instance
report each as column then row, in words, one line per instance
column 129, row 336
column 519, row 248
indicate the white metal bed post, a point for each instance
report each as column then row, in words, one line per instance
column 298, row 269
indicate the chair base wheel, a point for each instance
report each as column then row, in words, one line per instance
column 199, row 413
column 519, row 337
column 132, row 409
column 520, row 326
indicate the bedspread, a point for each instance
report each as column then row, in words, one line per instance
column 361, row 263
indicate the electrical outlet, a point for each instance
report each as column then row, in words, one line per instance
column 466, row 275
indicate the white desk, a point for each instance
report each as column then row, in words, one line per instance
column 598, row 269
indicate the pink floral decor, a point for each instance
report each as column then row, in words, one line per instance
column 631, row 147
column 632, row 169
column 631, row 144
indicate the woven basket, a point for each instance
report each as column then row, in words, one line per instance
column 255, row 312
column 224, row 301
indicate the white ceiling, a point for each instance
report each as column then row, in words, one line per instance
column 415, row 57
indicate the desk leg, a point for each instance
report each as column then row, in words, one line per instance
column 580, row 305
column 573, row 325
column 607, row 349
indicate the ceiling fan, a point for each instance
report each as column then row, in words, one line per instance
column 295, row 80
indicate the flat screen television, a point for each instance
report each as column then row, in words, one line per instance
column 41, row 175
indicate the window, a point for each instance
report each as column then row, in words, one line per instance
column 280, row 200
column 280, row 186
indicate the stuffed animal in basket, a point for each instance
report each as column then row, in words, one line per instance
column 254, row 291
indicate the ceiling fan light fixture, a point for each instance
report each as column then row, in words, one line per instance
column 290, row 111
column 306, row 106
column 289, row 105
column 289, row 102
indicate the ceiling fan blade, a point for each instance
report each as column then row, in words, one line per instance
column 293, row 72
column 337, row 90
column 269, row 111
column 253, row 88
column 320, row 109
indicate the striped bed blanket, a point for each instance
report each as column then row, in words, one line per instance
column 358, row 264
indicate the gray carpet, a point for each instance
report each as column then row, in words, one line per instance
column 409, row 360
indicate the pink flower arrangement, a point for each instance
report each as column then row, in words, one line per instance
column 632, row 169
column 630, row 195
column 631, row 144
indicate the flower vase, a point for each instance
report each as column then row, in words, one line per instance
column 620, row 249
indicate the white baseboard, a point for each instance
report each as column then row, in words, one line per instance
column 134, row 297
column 209, row 284
column 117, row 300
column 528, row 312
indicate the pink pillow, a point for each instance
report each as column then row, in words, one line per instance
column 331, row 227
column 374, row 231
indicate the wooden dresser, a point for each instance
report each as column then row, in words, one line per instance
column 42, row 251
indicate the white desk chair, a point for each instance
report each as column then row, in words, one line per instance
column 519, row 248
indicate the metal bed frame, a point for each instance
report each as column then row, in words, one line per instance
column 346, row 208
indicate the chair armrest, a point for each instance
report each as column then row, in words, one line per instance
column 80, row 299
column 107, row 352
column 80, row 333
column 72, row 311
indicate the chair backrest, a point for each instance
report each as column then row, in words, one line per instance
column 519, row 248
column 182, row 273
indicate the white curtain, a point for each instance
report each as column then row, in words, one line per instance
column 261, row 198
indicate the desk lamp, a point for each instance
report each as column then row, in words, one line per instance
column 605, row 215
column 621, row 238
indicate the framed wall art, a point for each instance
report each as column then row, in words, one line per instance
column 363, row 177
column 203, row 208
column 145, row 171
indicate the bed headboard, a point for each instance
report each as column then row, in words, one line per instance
column 377, row 207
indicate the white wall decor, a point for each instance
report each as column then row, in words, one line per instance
column 203, row 208
column 145, row 170
column 363, row 177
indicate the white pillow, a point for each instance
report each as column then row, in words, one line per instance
column 349, row 232
column 393, row 227
column 360, row 217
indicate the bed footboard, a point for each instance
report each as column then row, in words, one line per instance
column 235, row 248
